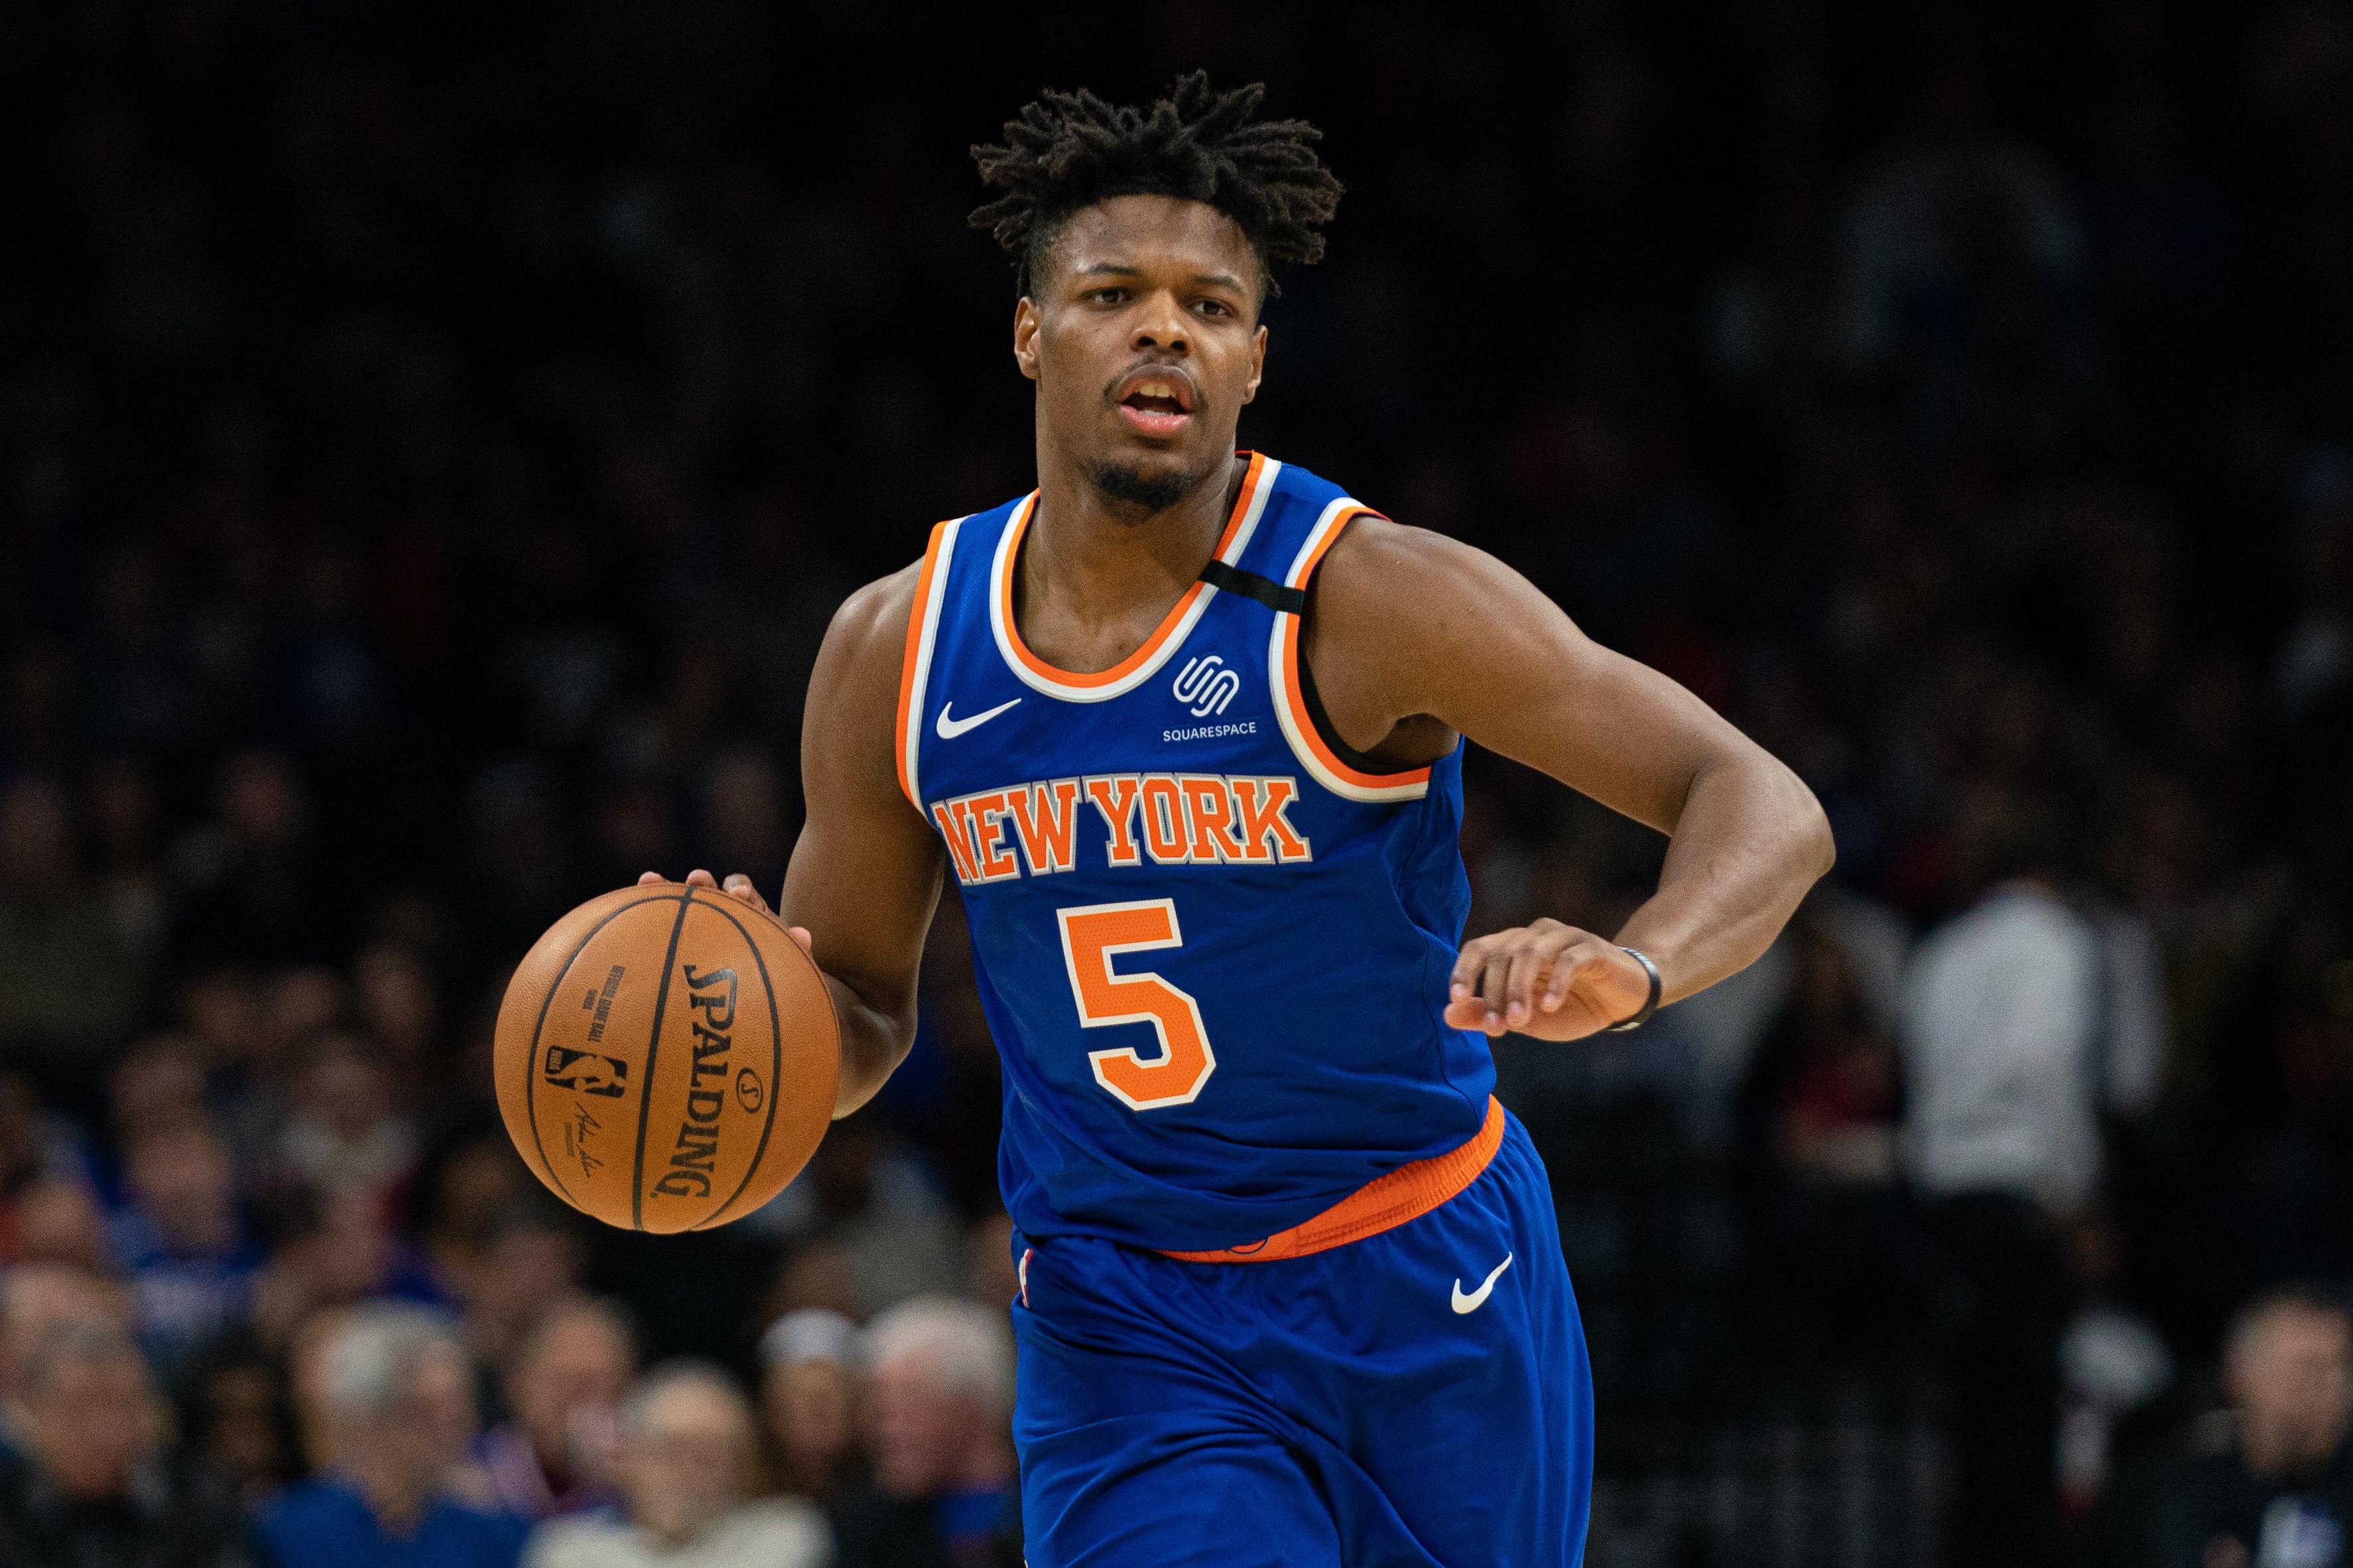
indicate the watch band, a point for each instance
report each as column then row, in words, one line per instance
column 1650, row 1003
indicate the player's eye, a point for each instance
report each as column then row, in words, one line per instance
column 1107, row 296
column 1214, row 308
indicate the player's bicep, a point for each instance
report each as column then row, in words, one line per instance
column 866, row 871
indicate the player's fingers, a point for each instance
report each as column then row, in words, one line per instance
column 1530, row 960
column 740, row 885
column 801, row 934
column 699, row 878
column 1519, row 967
column 652, row 877
column 1493, row 979
column 1467, row 965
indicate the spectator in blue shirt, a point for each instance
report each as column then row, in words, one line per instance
column 2270, row 1484
column 384, row 1502
column 181, row 1239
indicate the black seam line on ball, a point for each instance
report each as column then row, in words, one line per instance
column 775, row 1068
column 531, row 1060
column 646, row 1089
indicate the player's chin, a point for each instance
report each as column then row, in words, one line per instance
column 1154, row 479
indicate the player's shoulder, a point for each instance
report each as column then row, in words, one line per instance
column 1371, row 554
column 876, row 615
column 858, row 667
column 1409, row 615
column 872, row 621
column 1373, row 544
column 1380, row 571
column 868, row 635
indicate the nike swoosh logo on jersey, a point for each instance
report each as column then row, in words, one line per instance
column 1478, row 1298
column 951, row 728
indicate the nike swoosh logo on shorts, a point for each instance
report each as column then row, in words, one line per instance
column 951, row 728
column 1478, row 1298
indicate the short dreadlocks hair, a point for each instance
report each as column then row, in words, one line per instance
column 1071, row 150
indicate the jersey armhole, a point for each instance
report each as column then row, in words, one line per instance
column 1298, row 708
column 1321, row 722
column 915, row 664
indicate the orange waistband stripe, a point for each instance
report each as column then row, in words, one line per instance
column 1382, row 1204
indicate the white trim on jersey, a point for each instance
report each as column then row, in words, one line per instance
column 1298, row 726
column 1167, row 641
column 919, row 678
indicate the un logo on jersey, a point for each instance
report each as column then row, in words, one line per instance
column 1206, row 685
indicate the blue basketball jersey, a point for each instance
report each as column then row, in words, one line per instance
column 1213, row 944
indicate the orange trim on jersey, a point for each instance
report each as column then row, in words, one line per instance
column 915, row 619
column 1306, row 568
column 1382, row 1204
column 1301, row 718
column 1168, row 622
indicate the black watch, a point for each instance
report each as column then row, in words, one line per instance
column 1650, row 1003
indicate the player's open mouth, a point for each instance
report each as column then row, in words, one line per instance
column 1156, row 403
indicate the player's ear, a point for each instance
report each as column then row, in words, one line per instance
column 1258, row 363
column 1025, row 337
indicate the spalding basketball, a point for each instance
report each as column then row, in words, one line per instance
column 666, row 1057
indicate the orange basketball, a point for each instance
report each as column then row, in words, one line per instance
column 667, row 1058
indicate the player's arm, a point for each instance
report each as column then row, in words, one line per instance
column 1423, row 636
column 865, row 874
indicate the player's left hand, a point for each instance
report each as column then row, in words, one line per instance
column 1548, row 980
column 738, row 887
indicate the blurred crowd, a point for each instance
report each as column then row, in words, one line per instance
column 433, row 439
column 390, row 1430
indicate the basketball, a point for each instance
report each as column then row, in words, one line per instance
column 666, row 1057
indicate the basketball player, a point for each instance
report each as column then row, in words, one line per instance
column 1186, row 725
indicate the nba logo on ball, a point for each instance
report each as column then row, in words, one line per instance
column 588, row 1072
column 690, row 1069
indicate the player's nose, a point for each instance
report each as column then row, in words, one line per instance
column 1160, row 325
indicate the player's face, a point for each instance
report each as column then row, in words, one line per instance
column 1142, row 334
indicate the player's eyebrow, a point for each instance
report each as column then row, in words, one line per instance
column 1125, row 270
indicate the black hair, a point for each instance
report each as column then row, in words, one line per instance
column 1071, row 150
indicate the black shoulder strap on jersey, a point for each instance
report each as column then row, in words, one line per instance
column 1251, row 585
column 1292, row 601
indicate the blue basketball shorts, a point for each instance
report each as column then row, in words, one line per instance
column 1417, row 1398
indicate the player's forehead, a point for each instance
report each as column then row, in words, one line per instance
column 1162, row 236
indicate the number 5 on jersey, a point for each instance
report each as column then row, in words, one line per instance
column 1094, row 934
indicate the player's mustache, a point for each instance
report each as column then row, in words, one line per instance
column 1173, row 369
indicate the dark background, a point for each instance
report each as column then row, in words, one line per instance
column 433, row 438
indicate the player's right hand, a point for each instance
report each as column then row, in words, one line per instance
column 1548, row 980
column 737, row 886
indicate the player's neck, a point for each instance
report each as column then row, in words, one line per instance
column 1099, row 556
